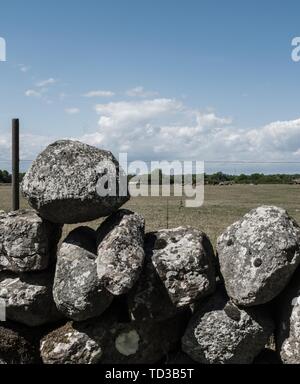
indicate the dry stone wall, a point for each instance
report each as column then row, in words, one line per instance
column 118, row 295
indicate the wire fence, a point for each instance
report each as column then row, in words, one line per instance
column 234, row 167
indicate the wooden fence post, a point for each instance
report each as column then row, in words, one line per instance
column 15, row 165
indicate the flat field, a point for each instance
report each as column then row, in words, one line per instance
column 222, row 206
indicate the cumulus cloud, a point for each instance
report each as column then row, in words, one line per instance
column 164, row 128
column 123, row 114
column 156, row 128
column 72, row 111
column 99, row 94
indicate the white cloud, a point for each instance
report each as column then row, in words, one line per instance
column 99, row 94
column 140, row 92
column 72, row 111
column 123, row 114
column 157, row 128
column 46, row 82
column 162, row 128
column 167, row 128
column 33, row 93
column 30, row 146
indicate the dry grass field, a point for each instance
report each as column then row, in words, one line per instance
column 223, row 205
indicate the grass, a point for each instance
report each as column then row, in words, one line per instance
column 222, row 206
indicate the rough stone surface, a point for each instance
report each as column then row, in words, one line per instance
column 149, row 298
column 28, row 297
column 222, row 333
column 107, row 341
column 77, row 291
column 288, row 324
column 258, row 255
column 16, row 347
column 120, row 251
column 67, row 345
column 63, row 183
column 27, row 242
column 184, row 261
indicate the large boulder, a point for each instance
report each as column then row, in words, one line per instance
column 288, row 322
column 28, row 297
column 184, row 261
column 258, row 255
column 77, row 291
column 120, row 251
column 107, row 341
column 68, row 180
column 222, row 333
column 27, row 242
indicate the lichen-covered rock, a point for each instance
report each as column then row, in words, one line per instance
column 105, row 340
column 77, row 291
column 67, row 180
column 16, row 347
column 222, row 333
column 120, row 251
column 28, row 297
column 184, row 261
column 288, row 322
column 27, row 242
column 67, row 345
column 149, row 298
column 258, row 255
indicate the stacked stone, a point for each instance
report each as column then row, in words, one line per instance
column 118, row 295
column 258, row 255
column 28, row 246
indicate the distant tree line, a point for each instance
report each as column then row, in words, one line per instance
column 213, row 179
column 5, row 176
column 220, row 177
column 254, row 178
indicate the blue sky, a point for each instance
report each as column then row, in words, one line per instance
column 160, row 79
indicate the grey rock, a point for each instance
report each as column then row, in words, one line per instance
column 28, row 297
column 77, row 291
column 184, row 261
column 63, row 183
column 258, row 255
column 107, row 341
column 222, row 333
column 27, row 242
column 120, row 251
column 288, row 322
column 68, row 345
column 16, row 347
